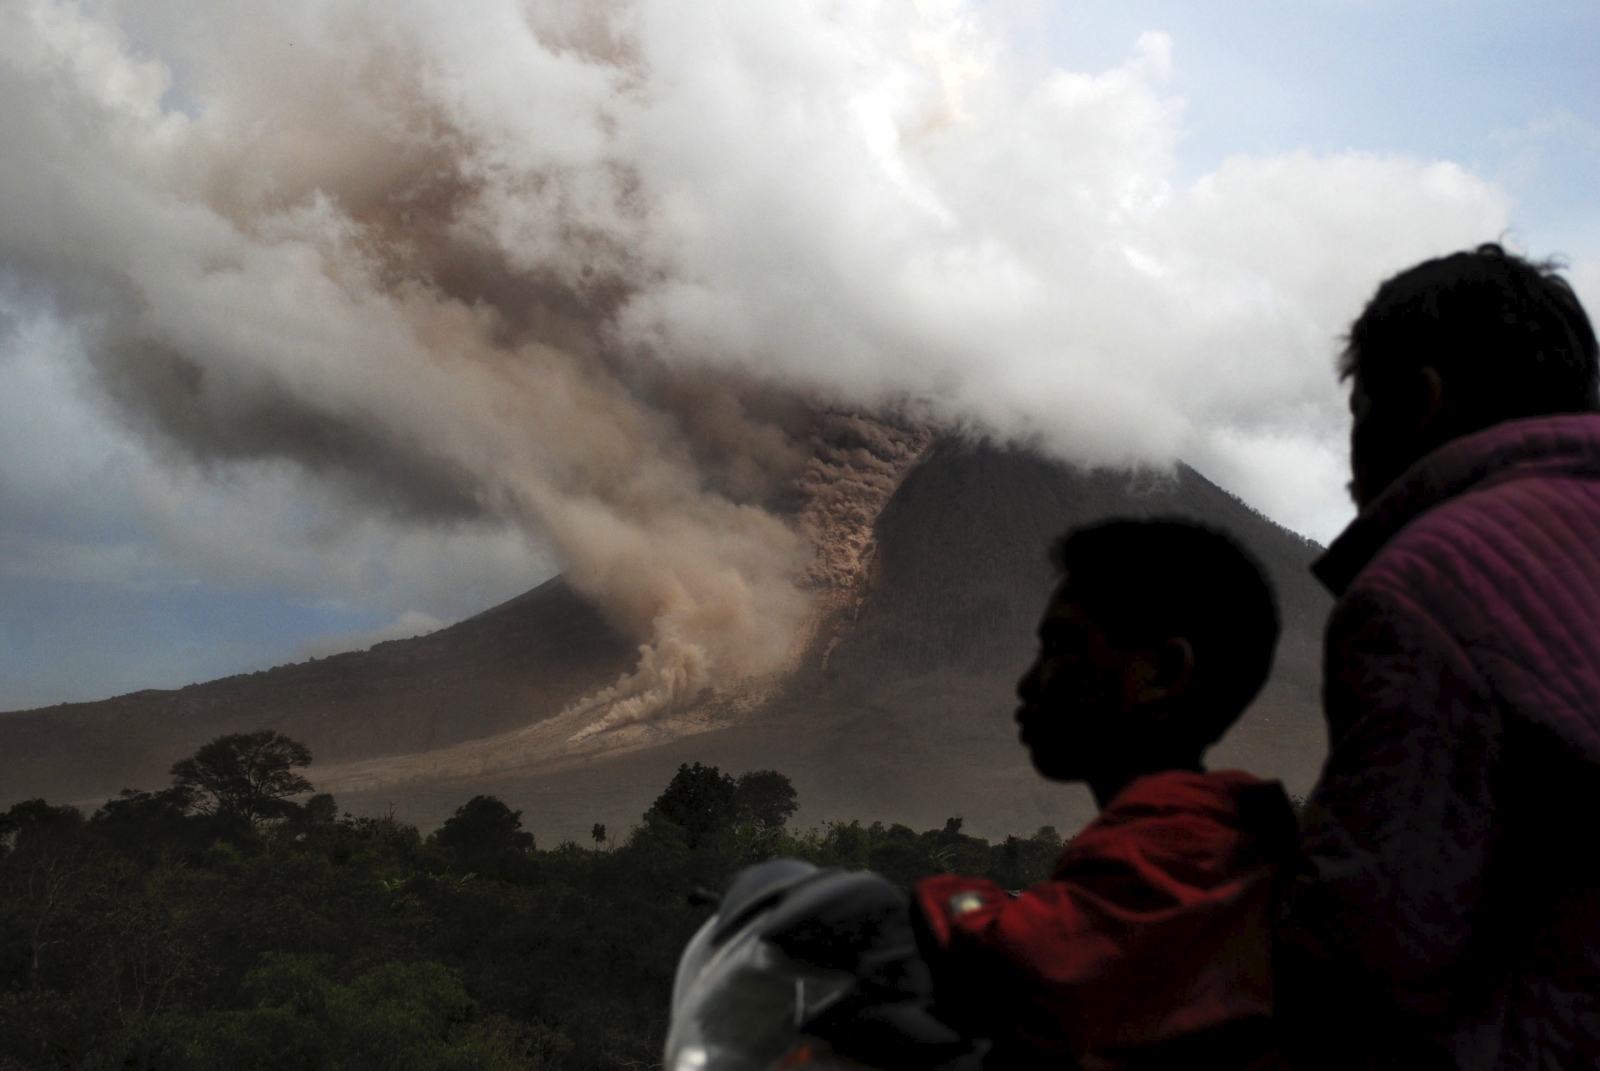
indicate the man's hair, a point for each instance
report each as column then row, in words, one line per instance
column 1508, row 336
column 1148, row 581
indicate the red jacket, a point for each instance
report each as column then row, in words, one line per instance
column 1154, row 925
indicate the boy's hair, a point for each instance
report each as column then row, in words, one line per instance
column 1508, row 335
column 1148, row 581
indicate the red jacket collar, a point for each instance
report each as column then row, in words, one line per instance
column 1256, row 811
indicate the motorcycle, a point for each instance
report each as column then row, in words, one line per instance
column 801, row 967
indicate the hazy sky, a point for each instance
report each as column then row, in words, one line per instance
column 1130, row 229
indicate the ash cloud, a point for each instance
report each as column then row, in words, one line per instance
column 592, row 270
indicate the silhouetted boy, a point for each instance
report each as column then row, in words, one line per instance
column 1150, row 943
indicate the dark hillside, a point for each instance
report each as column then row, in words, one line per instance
column 510, row 665
column 962, row 571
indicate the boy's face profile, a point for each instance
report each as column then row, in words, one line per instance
column 1090, row 705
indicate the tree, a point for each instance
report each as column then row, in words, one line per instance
column 599, row 834
column 396, row 1015
column 136, row 821
column 43, row 875
column 698, row 800
column 246, row 777
column 765, row 798
column 320, row 810
column 702, row 799
column 481, row 831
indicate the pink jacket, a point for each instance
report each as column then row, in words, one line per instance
column 1449, row 911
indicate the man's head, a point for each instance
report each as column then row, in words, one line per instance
column 1456, row 345
column 1157, row 637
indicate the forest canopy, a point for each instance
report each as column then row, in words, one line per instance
column 220, row 923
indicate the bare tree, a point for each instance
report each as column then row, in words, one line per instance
column 44, row 876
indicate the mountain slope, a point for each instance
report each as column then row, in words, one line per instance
column 515, row 663
column 900, row 709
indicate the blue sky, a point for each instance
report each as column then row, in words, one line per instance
column 112, row 581
column 1511, row 91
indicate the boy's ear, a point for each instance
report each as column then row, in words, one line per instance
column 1165, row 671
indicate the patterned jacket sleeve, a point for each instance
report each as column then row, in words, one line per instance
column 1399, row 832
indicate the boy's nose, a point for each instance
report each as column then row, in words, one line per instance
column 1028, row 685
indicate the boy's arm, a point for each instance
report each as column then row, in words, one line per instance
column 1004, row 966
column 1047, row 933
column 963, row 991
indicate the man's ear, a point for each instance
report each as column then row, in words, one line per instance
column 1432, row 398
column 1167, row 671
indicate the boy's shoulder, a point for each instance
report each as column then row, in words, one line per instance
column 1172, row 882
column 1168, row 844
column 1197, row 826
column 1212, row 792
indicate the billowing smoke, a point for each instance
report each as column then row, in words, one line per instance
column 602, row 270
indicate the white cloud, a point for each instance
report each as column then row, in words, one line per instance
column 408, row 284
column 85, row 501
column 410, row 624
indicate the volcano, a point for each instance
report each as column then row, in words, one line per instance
column 898, row 708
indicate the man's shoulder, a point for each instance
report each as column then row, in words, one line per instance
column 1487, row 491
column 1502, row 585
column 1543, row 520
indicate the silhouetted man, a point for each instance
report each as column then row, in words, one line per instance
column 1449, row 915
column 1151, row 939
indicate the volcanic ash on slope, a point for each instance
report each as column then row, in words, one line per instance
column 909, row 717
column 856, row 462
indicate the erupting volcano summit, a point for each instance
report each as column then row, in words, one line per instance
column 928, row 573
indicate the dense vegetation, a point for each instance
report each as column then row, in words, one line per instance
column 219, row 924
